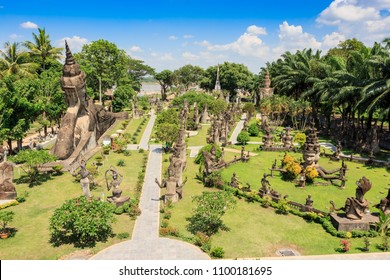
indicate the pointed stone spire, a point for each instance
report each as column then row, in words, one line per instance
column 69, row 56
column 267, row 80
column 217, row 83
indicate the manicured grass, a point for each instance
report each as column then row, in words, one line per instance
column 200, row 138
column 32, row 217
column 259, row 232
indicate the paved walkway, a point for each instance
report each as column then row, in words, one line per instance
column 237, row 129
column 146, row 243
column 194, row 150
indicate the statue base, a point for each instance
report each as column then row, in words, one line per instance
column 342, row 223
column 7, row 195
column 171, row 198
column 118, row 201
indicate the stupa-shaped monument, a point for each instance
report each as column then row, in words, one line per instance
column 266, row 90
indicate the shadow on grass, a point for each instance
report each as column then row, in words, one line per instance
column 57, row 240
column 35, row 181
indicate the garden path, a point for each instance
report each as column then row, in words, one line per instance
column 146, row 243
column 237, row 129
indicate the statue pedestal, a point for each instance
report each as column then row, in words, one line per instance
column 342, row 223
column 118, row 201
column 171, row 197
column 7, row 195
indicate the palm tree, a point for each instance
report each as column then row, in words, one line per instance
column 42, row 49
column 13, row 61
column 376, row 95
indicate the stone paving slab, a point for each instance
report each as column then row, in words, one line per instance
column 194, row 150
column 237, row 129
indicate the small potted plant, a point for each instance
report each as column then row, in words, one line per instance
column 5, row 218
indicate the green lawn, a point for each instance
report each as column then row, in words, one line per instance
column 259, row 232
column 32, row 217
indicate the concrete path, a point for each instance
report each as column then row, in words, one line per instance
column 237, row 129
column 144, row 143
column 194, row 150
column 146, row 243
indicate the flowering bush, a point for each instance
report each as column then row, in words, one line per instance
column 345, row 245
column 287, row 159
column 311, row 173
column 292, row 170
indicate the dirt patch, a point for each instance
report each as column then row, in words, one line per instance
column 78, row 255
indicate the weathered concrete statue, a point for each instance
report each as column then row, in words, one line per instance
column 356, row 207
column 84, row 181
column 84, row 122
column 114, row 184
column 174, row 189
column 7, row 188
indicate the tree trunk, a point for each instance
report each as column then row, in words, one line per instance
column 20, row 144
column 10, row 146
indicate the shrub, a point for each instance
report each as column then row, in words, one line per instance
column 82, row 222
column 253, row 130
column 214, row 180
column 167, row 215
column 203, row 241
column 200, row 160
column 22, row 198
column 287, row 159
column 121, row 162
column 292, row 171
column 217, row 252
column 243, row 137
column 207, row 215
column 123, row 235
column 141, row 151
column 5, row 218
column 345, row 245
column 311, row 173
column 106, row 150
column 164, row 223
column 300, row 138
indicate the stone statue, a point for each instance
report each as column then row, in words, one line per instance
column 174, row 190
column 287, row 139
column 356, row 207
column 234, row 183
column 384, row 204
column 114, row 184
column 83, row 122
column 265, row 186
column 7, row 188
column 84, row 181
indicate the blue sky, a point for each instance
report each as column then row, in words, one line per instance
column 168, row 34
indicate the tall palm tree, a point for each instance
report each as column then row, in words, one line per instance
column 42, row 49
column 13, row 61
column 376, row 95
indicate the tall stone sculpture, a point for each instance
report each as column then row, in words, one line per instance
column 84, row 122
column 7, row 188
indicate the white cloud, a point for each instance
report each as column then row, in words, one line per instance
column 172, row 38
column 135, row 49
column 293, row 38
column 75, row 43
column 188, row 36
column 190, row 56
column 367, row 21
column 166, row 57
column 15, row 36
column 248, row 44
column 256, row 30
column 332, row 40
column 29, row 24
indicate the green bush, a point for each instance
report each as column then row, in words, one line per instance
column 123, row 235
column 199, row 158
column 81, row 222
column 217, row 252
column 121, row 162
column 243, row 137
column 253, row 130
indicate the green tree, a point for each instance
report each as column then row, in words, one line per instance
column 209, row 210
column 13, row 61
column 32, row 161
column 5, row 218
column 167, row 133
column 243, row 137
column 82, row 222
column 188, row 74
column 42, row 49
column 136, row 71
column 253, row 130
column 103, row 63
column 233, row 77
column 122, row 98
column 165, row 79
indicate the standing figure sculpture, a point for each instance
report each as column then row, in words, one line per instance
column 174, row 190
column 84, row 181
column 116, row 180
column 7, row 188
